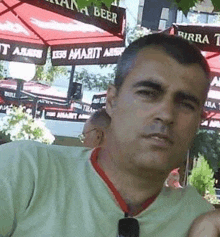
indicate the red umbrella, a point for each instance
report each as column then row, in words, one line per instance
column 92, row 36
column 75, row 37
column 205, row 36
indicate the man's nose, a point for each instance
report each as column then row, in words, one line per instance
column 166, row 112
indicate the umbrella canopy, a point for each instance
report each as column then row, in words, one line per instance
column 90, row 36
column 205, row 36
column 99, row 100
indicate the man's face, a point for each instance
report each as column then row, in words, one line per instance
column 91, row 135
column 157, row 112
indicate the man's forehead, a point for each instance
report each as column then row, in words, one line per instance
column 159, row 54
column 150, row 54
column 152, row 50
column 155, row 52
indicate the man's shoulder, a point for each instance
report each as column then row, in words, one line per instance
column 195, row 198
column 188, row 198
column 32, row 150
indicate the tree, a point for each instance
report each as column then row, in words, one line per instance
column 84, row 3
column 94, row 81
column 3, row 73
column 207, row 143
column 133, row 33
column 48, row 72
column 202, row 177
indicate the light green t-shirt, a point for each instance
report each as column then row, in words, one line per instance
column 54, row 191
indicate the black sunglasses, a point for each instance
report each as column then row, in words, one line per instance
column 128, row 227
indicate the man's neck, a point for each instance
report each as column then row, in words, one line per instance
column 134, row 187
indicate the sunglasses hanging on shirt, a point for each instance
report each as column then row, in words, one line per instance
column 128, row 227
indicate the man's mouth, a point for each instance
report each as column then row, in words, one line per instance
column 160, row 139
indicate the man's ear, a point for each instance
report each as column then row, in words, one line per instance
column 204, row 116
column 111, row 99
column 100, row 137
column 198, row 125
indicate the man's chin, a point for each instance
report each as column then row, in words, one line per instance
column 156, row 160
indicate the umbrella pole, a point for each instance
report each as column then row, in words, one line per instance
column 70, row 83
column 34, row 109
column 20, row 84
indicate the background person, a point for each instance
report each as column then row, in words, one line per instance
column 94, row 130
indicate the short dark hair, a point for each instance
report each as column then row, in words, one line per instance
column 180, row 49
column 100, row 119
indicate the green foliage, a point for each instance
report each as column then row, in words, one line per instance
column 183, row 5
column 3, row 71
column 216, row 4
column 94, row 81
column 207, row 143
column 136, row 32
column 84, row 3
column 202, row 177
column 49, row 73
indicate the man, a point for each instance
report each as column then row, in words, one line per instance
column 94, row 130
column 155, row 108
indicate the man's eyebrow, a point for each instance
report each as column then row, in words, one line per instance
column 187, row 96
column 158, row 86
column 149, row 83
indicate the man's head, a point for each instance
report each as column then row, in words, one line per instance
column 178, row 48
column 157, row 101
column 95, row 128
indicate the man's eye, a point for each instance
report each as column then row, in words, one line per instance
column 147, row 93
column 187, row 106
